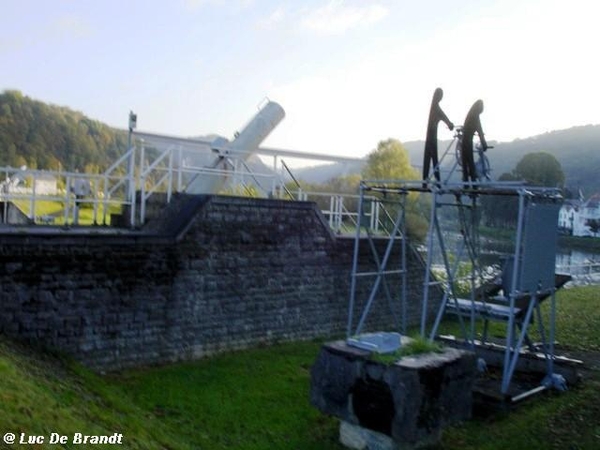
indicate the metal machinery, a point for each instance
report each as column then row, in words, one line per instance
column 455, row 280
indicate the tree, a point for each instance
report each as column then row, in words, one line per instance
column 48, row 136
column 593, row 225
column 501, row 210
column 540, row 169
column 389, row 161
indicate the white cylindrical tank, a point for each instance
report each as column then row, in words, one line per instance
column 242, row 147
column 257, row 130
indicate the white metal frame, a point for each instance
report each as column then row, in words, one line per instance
column 152, row 164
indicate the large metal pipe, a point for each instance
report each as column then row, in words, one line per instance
column 257, row 130
column 245, row 144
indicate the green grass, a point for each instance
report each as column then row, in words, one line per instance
column 569, row 420
column 40, row 394
column 416, row 346
column 579, row 242
column 556, row 421
column 258, row 399
column 56, row 210
column 577, row 320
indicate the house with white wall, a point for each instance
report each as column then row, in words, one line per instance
column 574, row 216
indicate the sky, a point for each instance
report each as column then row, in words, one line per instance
column 348, row 73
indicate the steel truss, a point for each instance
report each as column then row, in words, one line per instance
column 394, row 207
column 513, row 297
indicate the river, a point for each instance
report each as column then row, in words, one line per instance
column 582, row 265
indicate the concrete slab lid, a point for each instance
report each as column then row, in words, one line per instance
column 448, row 355
column 378, row 342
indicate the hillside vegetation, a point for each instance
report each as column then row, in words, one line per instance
column 577, row 150
column 44, row 136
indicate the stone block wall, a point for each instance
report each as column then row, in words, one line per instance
column 241, row 272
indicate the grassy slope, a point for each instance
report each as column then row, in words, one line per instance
column 40, row 394
column 258, row 399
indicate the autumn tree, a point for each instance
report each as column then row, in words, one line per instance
column 390, row 161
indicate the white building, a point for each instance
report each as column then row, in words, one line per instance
column 574, row 216
column 45, row 184
column 566, row 216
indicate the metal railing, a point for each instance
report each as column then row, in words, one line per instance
column 123, row 191
column 57, row 198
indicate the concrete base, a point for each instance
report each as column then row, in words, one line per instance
column 407, row 401
column 356, row 437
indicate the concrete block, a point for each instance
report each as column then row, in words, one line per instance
column 409, row 400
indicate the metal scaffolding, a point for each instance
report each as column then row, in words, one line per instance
column 393, row 204
column 512, row 295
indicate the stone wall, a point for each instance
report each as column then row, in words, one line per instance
column 240, row 272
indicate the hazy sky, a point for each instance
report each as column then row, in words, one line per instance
column 348, row 73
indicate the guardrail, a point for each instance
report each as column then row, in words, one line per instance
column 57, row 198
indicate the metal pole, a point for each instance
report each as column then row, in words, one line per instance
column 32, row 205
column 67, row 199
column 375, row 205
column 131, row 184
column 403, row 300
column 340, row 212
column 130, row 161
column 474, row 261
column 355, row 265
column 552, row 332
column 105, row 199
column 95, row 200
column 429, row 260
column 517, row 349
column 170, row 178
column 513, row 292
column 331, row 209
column 5, row 198
column 142, row 186
column 180, row 169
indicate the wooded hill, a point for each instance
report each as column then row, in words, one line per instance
column 577, row 149
column 44, row 136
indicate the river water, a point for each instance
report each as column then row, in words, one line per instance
column 582, row 265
